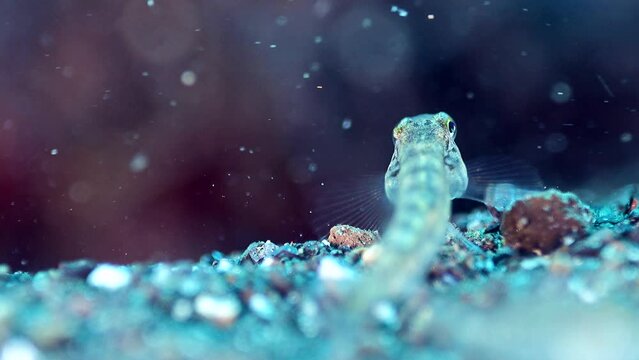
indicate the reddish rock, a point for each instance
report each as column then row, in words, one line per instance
column 345, row 235
column 540, row 224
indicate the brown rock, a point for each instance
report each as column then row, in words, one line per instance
column 540, row 224
column 345, row 235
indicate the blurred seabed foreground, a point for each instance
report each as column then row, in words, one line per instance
column 570, row 292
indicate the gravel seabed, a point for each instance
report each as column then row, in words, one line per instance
column 572, row 296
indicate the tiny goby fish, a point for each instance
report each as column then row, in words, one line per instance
column 425, row 173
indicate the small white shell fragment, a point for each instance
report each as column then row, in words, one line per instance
column 109, row 277
column 222, row 310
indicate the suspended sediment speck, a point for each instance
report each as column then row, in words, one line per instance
column 560, row 93
column 625, row 137
column 281, row 20
column 139, row 163
column 188, row 78
column 401, row 12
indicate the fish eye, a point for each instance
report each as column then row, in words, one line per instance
column 452, row 127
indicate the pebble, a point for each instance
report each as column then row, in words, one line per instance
column 386, row 314
column 262, row 306
column 538, row 224
column 349, row 236
column 257, row 251
column 222, row 310
column 330, row 269
column 182, row 310
column 109, row 277
column 19, row 349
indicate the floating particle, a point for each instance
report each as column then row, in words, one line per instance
column 560, row 92
column 109, row 277
column 306, row 75
column 139, row 163
column 322, row 7
column 188, row 78
column 470, row 95
column 367, row 23
column 173, row 103
column 150, row 3
column 312, row 167
column 54, row 152
column 242, row 148
column 556, row 143
column 524, row 53
column 318, row 39
column 281, row 20
column 145, row 73
column 7, row 125
column 315, row 66
column 67, row 71
column 625, row 137
column 80, row 192
column 401, row 12
column 319, row 87
column 430, row 16
column 272, row 46
column 605, row 86
column 347, row 123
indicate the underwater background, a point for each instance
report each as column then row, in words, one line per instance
column 160, row 130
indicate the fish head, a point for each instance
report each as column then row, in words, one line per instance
column 437, row 131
